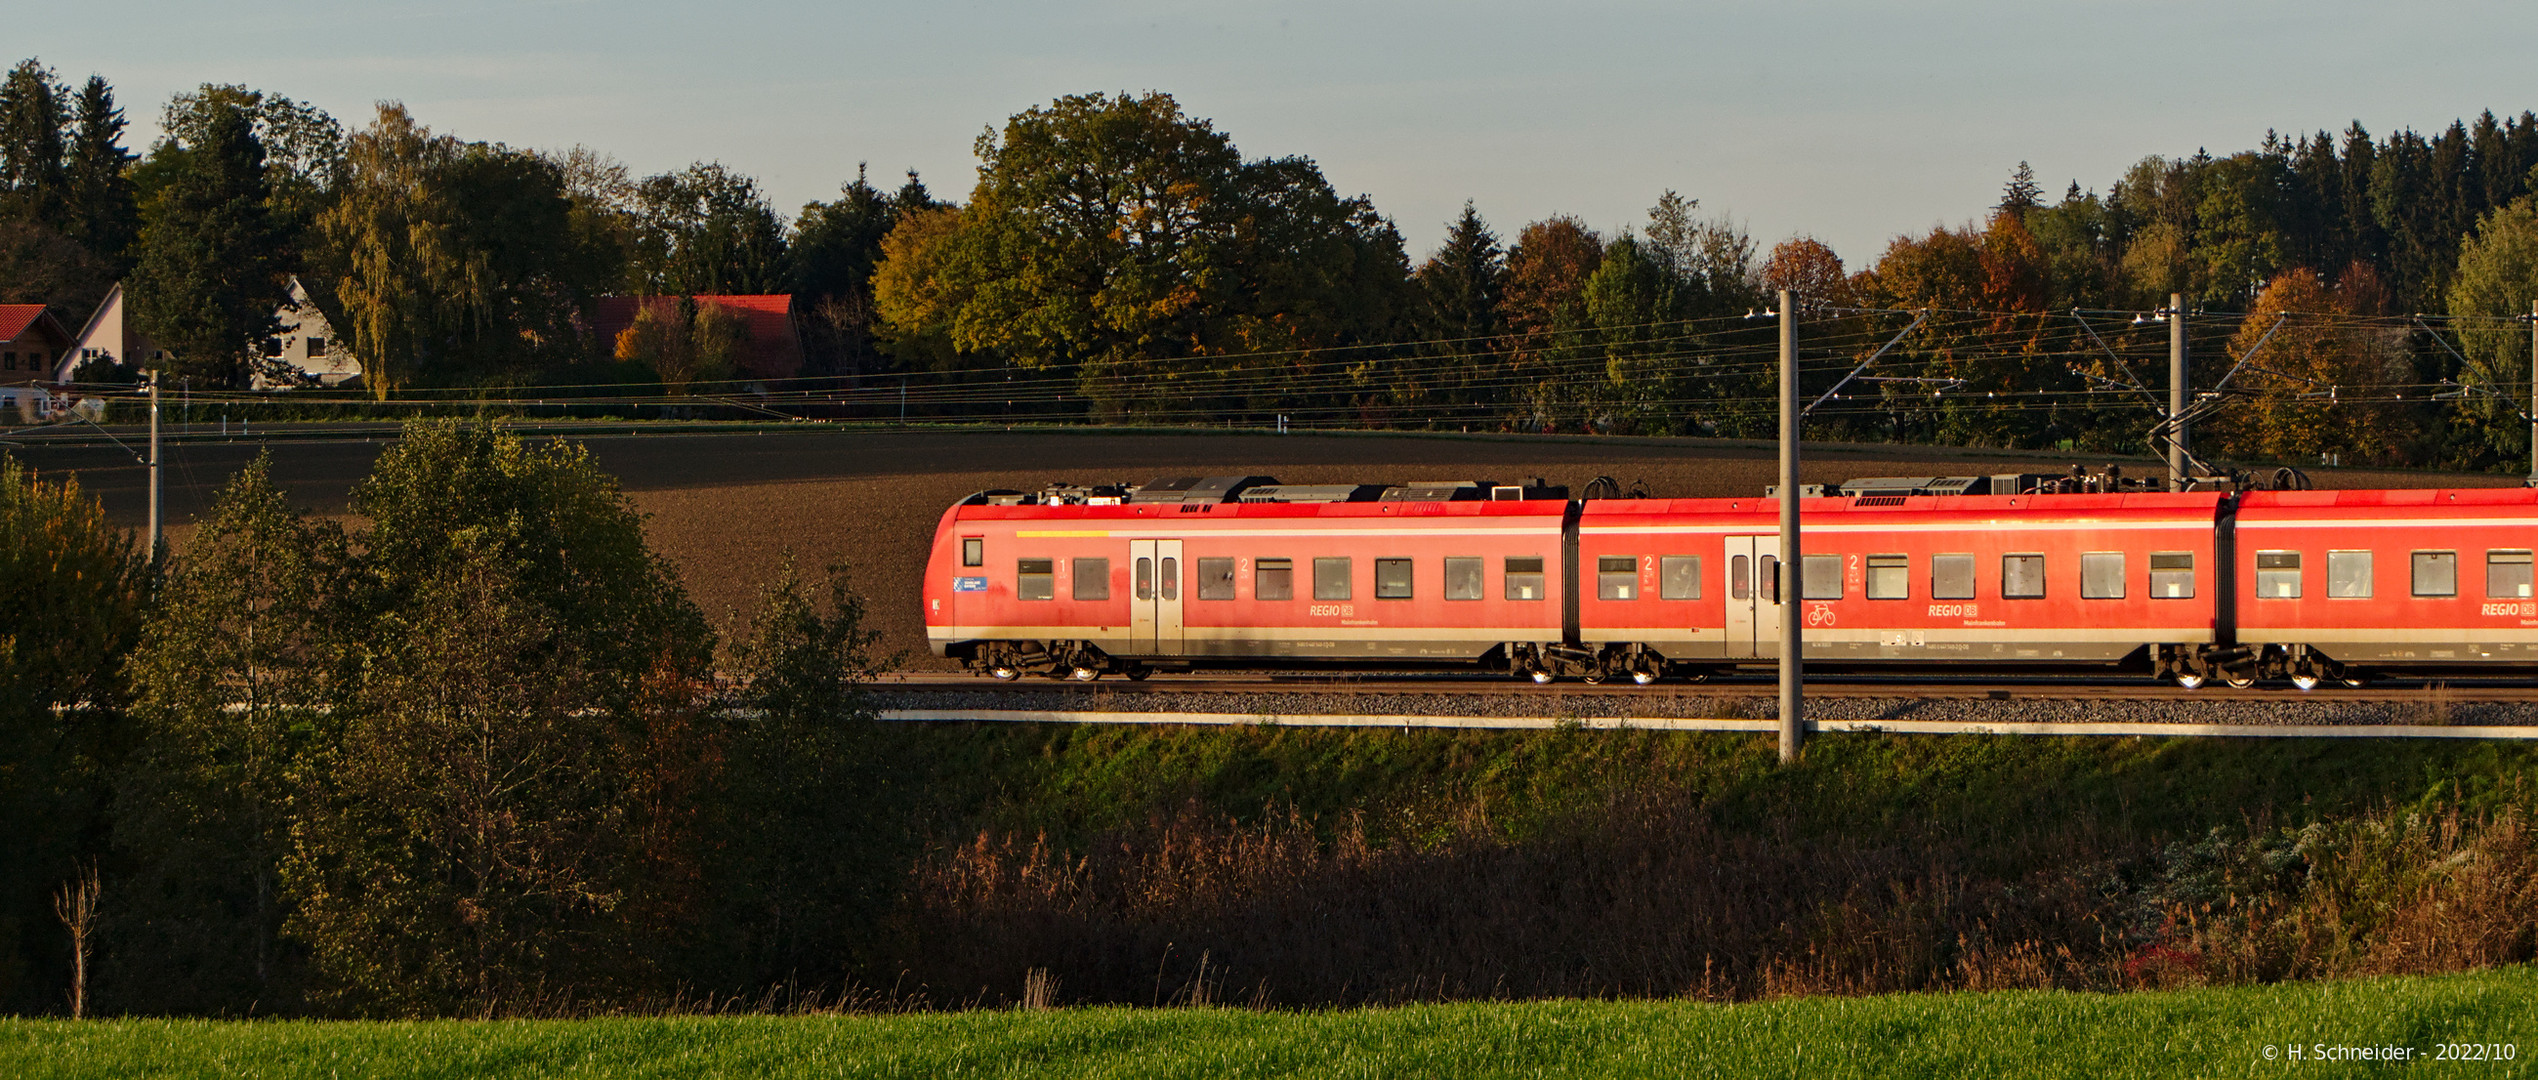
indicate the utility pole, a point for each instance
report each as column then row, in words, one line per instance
column 2176, row 392
column 1792, row 584
column 154, row 467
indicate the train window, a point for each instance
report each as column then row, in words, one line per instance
column 2278, row 575
column 1767, row 578
column 1092, row 579
column 2436, row 573
column 1820, row 577
column 1616, row 577
column 1216, row 579
column 973, row 551
column 1273, row 579
column 1739, row 585
column 2172, row 575
column 2349, row 575
column 1463, row 579
column 1392, row 579
column 1171, row 578
column 1035, row 579
column 2101, row 575
column 2506, row 574
column 1524, row 579
column 2022, row 577
column 1889, row 577
column 1951, row 577
column 1330, row 578
column 1145, row 579
column 1679, row 577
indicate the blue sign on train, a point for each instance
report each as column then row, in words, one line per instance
column 969, row 584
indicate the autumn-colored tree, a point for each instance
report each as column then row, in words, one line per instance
column 1809, row 268
column 685, row 343
column 1544, row 304
column 2318, row 386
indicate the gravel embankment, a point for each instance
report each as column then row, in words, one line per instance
column 2321, row 708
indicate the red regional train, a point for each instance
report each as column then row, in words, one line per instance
column 2001, row 573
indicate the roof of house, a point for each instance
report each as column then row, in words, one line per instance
column 17, row 319
column 775, row 350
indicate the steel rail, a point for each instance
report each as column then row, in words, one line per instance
column 2014, row 688
column 1718, row 724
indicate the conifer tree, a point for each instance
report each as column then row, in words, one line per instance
column 208, row 276
column 103, row 215
column 32, row 116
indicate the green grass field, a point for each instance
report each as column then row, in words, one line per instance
column 2196, row 1033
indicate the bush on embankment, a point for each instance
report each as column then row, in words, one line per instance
column 1310, row 866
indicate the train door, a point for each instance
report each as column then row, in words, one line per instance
column 1753, row 596
column 1154, row 573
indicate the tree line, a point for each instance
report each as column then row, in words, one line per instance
column 471, row 756
column 1118, row 259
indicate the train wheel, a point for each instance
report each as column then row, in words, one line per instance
column 1139, row 673
column 1084, row 674
column 1595, row 676
column 1643, row 677
column 2354, row 681
column 2305, row 681
column 2190, row 680
column 1540, row 676
column 2239, row 682
column 1005, row 672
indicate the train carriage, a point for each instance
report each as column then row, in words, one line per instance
column 1972, row 580
column 2334, row 583
column 1093, row 583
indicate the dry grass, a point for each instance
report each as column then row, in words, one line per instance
column 1646, row 898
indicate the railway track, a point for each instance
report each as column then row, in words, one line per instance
column 2022, row 688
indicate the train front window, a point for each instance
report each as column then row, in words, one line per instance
column 2278, row 575
column 2507, row 574
column 1216, row 579
column 1273, row 579
column 1616, row 577
column 1821, row 577
column 2172, row 575
column 1035, row 579
column 1331, row 578
column 2436, row 573
column 1463, row 579
column 1392, row 579
column 1951, row 577
column 973, row 551
column 1889, row 577
column 2348, row 575
column 1524, row 579
column 1092, row 579
column 2022, row 577
column 1679, row 577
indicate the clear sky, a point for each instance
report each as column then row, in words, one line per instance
column 1846, row 119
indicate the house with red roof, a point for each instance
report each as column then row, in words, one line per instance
column 775, row 339
column 31, row 342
